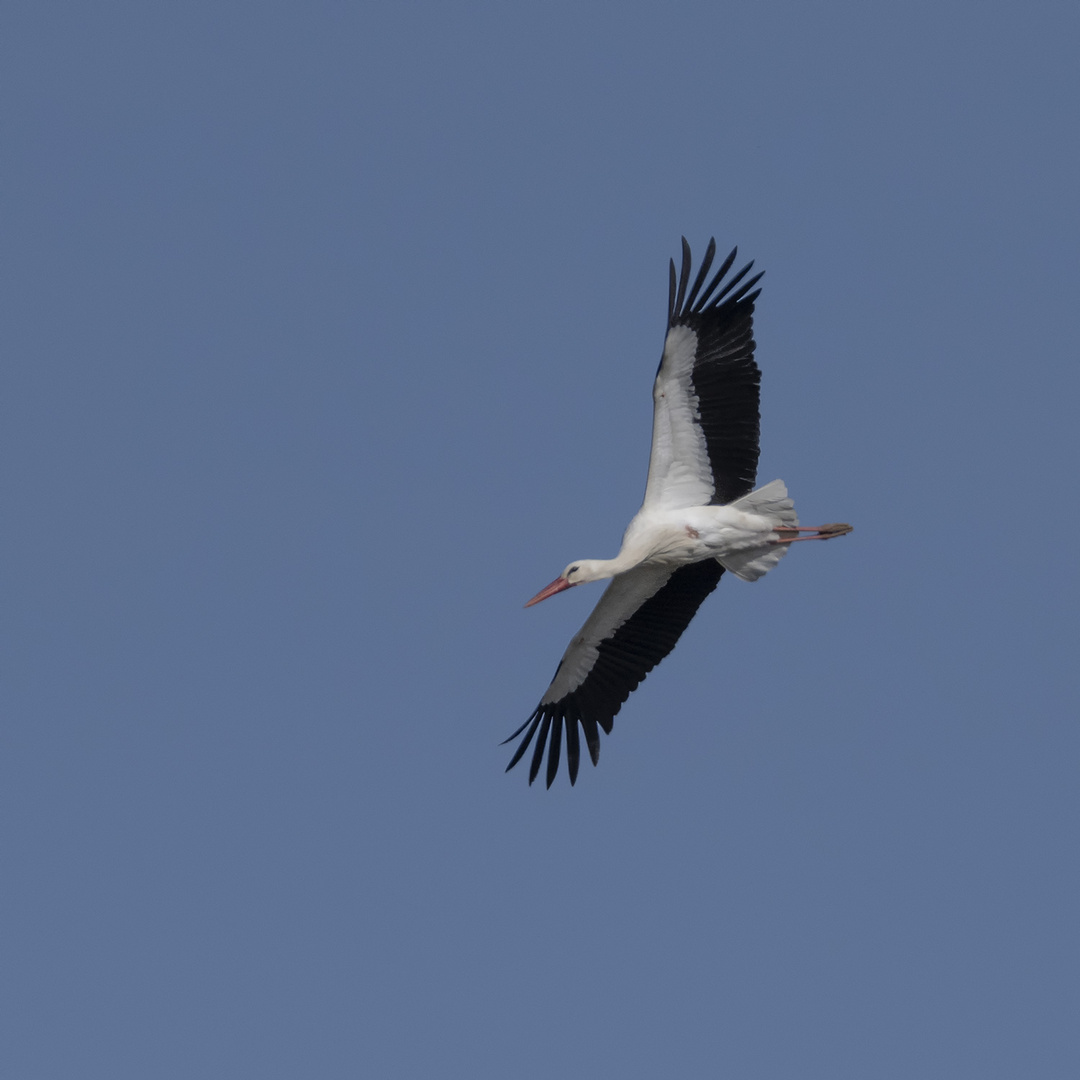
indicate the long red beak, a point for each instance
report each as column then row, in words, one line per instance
column 557, row 585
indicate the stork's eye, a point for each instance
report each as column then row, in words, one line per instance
column 573, row 569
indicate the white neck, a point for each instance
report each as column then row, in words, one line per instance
column 599, row 569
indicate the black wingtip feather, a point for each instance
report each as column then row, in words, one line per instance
column 592, row 738
column 534, row 721
column 550, row 723
column 684, row 275
column 725, row 266
column 706, row 262
column 538, row 753
column 745, row 288
column 573, row 748
column 556, row 750
column 510, row 738
column 735, row 279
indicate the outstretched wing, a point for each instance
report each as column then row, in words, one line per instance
column 705, row 399
column 640, row 617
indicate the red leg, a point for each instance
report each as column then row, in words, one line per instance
column 819, row 532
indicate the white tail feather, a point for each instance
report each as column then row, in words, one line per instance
column 769, row 501
column 754, row 562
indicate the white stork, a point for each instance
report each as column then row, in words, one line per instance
column 700, row 516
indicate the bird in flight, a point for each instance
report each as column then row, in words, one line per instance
column 701, row 515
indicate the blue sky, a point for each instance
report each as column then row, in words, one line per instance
column 329, row 333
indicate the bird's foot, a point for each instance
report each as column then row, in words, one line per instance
column 786, row 533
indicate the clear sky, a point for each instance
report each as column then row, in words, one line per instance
column 328, row 336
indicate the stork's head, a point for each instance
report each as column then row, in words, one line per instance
column 575, row 574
